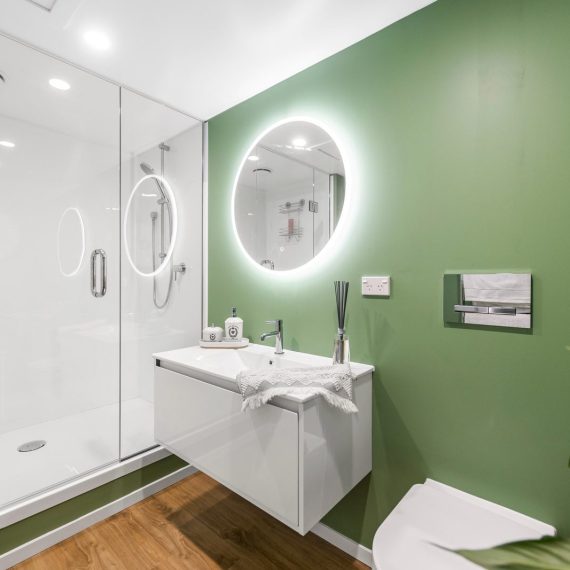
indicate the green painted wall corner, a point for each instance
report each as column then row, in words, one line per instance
column 457, row 120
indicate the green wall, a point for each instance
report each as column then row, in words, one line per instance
column 50, row 519
column 458, row 122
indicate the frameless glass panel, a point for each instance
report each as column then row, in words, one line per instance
column 162, row 245
column 59, row 350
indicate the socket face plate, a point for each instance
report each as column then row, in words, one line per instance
column 376, row 286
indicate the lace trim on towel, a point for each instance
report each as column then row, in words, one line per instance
column 333, row 383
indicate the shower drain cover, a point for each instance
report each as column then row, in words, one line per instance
column 31, row 445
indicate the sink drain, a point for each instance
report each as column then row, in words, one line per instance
column 31, row 445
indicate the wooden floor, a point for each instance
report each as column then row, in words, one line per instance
column 196, row 524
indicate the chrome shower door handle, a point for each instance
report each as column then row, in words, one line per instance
column 99, row 253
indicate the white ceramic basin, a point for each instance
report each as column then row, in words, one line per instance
column 295, row 457
column 226, row 363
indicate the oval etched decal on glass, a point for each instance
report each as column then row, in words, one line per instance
column 70, row 242
column 150, row 224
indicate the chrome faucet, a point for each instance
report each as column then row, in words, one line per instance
column 277, row 333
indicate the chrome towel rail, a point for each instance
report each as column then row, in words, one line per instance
column 492, row 310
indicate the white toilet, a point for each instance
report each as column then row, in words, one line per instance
column 435, row 514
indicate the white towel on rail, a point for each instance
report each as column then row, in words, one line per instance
column 511, row 288
column 508, row 289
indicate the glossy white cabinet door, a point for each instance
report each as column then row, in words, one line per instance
column 253, row 453
column 336, row 453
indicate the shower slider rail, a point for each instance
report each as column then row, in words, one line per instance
column 488, row 310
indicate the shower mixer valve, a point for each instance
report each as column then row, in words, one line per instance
column 179, row 268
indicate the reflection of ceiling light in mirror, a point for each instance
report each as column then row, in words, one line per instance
column 97, row 40
column 299, row 142
column 250, row 214
column 253, row 157
column 59, row 84
column 7, row 144
column 150, row 195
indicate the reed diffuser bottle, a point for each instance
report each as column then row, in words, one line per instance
column 341, row 352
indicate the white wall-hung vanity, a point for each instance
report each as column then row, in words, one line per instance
column 295, row 457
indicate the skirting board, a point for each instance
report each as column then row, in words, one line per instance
column 345, row 544
column 60, row 493
column 57, row 535
column 51, row 538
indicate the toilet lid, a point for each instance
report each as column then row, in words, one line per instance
column 434, row 515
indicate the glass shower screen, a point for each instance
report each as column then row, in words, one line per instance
column 59, row 249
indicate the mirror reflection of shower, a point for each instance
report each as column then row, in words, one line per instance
column 165, row 236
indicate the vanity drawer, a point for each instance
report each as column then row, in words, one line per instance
column 254, row 453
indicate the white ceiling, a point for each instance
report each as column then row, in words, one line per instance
column 201, row 56
column 63, row 139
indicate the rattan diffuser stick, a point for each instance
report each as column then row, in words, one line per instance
column 341, row 293
column 341, row 352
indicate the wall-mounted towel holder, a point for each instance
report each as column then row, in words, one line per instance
column 489, row 299
column 491, row 310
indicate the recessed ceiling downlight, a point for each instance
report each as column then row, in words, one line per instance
column 299, row 142
column 97, row 39
column 7, row 144
column 253, row 157
column 60, row 84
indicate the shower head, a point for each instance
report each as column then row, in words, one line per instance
column 147, row 168
column 149, row 171
column 153, row 215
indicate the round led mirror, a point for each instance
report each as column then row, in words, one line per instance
column 289, row 195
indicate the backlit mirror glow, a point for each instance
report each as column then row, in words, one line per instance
column 287, row 203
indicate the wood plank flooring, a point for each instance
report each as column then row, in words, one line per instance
column 194, row 524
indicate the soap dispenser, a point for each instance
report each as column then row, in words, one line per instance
column 234, row 326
